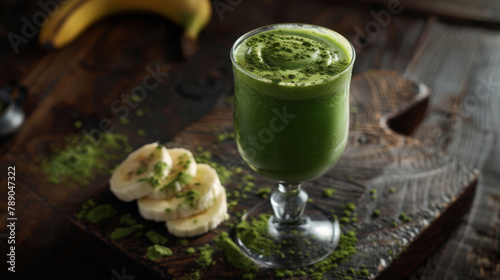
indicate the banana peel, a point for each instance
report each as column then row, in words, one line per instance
column 73, row 17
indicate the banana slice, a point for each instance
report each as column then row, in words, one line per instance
column 183, row 171
column 201, row 222
column 197, row 196
column 140, row 172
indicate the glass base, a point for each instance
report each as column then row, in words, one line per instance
column 280, row 245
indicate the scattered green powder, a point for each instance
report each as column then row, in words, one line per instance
column 119, row 233
column 345, row 220
column 190, row 197
column 183, row 242
column 124, row 120
column 135, row 98
column 152, row 181
column 157, row 251
column 264, row 192
column 127, row 219
column 233, row 254
column 156, row 238
column 328, row 192
column 82, row 157
column 159, row 168
column 403, row 217
column 248, row 276
column 194, row 275
column 205, row 257
column 141, row 132
column 255, row 236
column 190, row 250
column 392, row 190
column 78, row 124
column 86, row 206
column 350, row 206
column 99, row 213
column 376, row 213
column 344, row 252
column 225, row 175
column 139, row 112
column 224, row 136
column 141, row 170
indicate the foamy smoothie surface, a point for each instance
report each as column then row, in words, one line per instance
column 295, row 57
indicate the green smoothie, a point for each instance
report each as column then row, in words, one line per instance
column 291, row 108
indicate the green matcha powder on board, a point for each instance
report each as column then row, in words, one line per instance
column 82, row 157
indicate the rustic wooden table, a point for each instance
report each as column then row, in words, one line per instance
column 451, row 46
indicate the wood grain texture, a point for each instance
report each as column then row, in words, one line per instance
column 487, row 11
column 460, row 64
column 433, row 189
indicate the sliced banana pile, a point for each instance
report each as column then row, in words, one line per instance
column 170, row 187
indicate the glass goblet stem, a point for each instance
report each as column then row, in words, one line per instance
column 288, row 202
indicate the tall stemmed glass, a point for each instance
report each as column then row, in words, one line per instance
column 291, row 118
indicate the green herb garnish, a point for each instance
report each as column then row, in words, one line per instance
column 119, row 233
column 100, row 213
column 158, row 251
column 156, row 238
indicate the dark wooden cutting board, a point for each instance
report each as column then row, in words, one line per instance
column 409, row 177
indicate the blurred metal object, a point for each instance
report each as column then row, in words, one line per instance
column 11, row 113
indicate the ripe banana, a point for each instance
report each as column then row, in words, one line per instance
column 197, row 196
column 202, row 222
column 140, row 172
column 182, row 172
column 75, row 16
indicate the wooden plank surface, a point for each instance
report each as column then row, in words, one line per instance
column 433, row 189
column 460, row 64
column 486, row 11
column 391, row 48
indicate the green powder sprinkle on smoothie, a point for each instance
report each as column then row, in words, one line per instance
column 158, row 251
column 291, row 57
column 82, row 157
